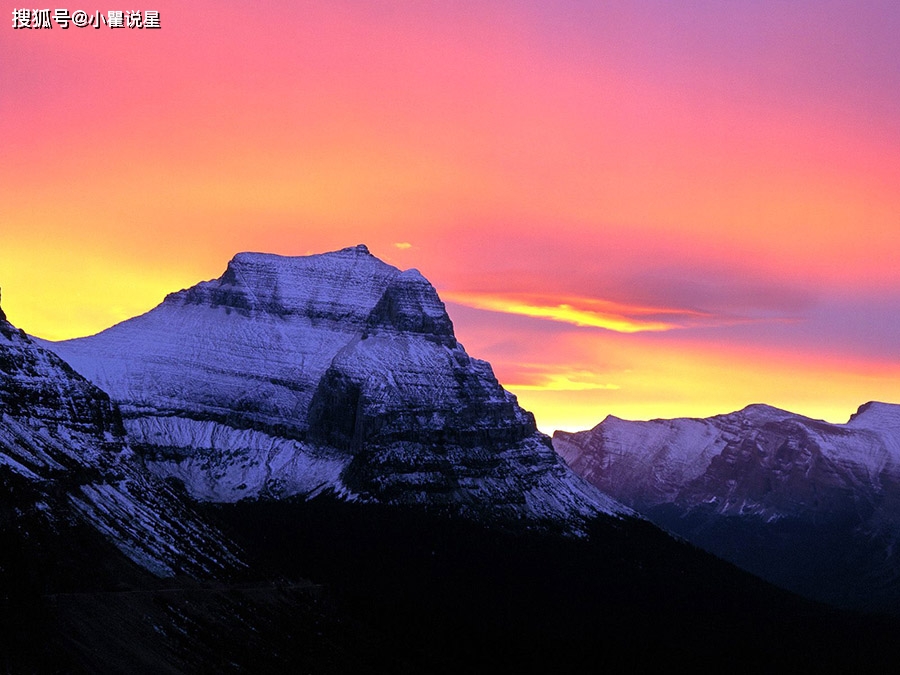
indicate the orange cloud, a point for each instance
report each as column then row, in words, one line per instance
column 541, row 377
column 590, row 312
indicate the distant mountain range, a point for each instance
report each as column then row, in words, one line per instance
column 811, row 506
column 297, row 467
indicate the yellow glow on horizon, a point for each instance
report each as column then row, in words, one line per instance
column 560, row 379
column 700, row 381
column 56, row 300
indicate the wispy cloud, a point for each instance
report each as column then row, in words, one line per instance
column 579, row 311
column 541, row 378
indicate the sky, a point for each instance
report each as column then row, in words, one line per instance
column 645, row 209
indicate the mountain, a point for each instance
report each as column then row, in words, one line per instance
column 333, row 372
column 395, row 509
column 811, row 506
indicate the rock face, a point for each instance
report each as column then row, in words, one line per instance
column 332, row 372
column 812, row 506
column 65, row 465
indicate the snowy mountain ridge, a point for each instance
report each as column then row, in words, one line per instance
column 761, row 486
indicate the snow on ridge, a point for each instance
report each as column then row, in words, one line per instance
column 875, row 415
column 62, row 435
column 219, row 463
column 345, row 284
column 661, row 460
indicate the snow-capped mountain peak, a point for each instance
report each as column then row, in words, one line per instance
column 338, row 372
column 345, row 284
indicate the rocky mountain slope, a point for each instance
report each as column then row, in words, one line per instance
column 811, row 506
column 88, row 536
column 64, row 463
column 335, row 372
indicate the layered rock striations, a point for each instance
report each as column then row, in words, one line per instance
column 810, row 505
column 332, row 372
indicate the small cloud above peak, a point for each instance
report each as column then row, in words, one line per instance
column 402, row 245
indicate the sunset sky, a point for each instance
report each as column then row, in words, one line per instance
column 646, row 209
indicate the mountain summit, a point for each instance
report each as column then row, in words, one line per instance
column 334, row 372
